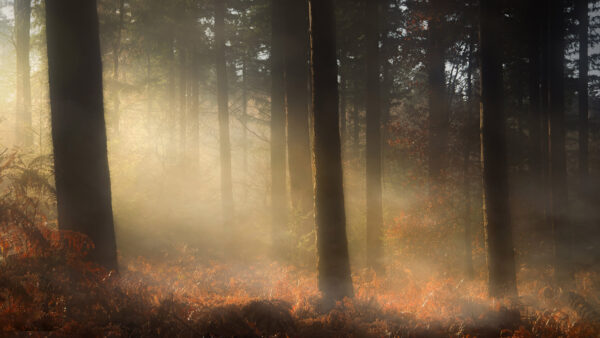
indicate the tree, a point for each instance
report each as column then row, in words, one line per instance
column 536, row 123
column 223, row 106
column 335, row 281
column 438, row 114
column 296, row 85
column 501, row 261
column 468, row 129
column 374, row 203
column 22, row 11
column 558, row 158
column 581, row 9
column 78, row 127
column 278, row 177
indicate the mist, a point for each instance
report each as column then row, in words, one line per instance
column 299, row 168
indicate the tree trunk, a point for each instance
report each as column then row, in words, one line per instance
column 78, row 126
column 278, row 177
column 194, row 113
column 335, row 281
column 500, row 251
column 582, row 88
column 468, row 126
column 183, row 103
column 558, row 159
column 374, row 203
column 438, row 114
column 546, row 231
column 245, row 124
column 296, row 84
column 343, row 103
column 536, row 123
column 171, row 90
column 22, row 11
column 223, row 106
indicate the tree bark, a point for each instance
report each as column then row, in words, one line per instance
column 374, row 201
column 335, row 281
column 558, row 159
column 22, row 11
column 296, row 85
column 500, row 251
column 223, row 106
column 78, row 126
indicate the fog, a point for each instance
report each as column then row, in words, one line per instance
column 438, row 243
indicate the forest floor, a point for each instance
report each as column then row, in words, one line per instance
column 182, row 295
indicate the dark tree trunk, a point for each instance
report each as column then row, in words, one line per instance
column 78, row 126
column 296, row 84
column 438, row 114
column 374, row 203
column 558, row 159
column 546, row 231
column 468, row 129
column 278, row 177
column 116, row 58
column 223, row 106
column 582, row 88
column 388, row 50
column 22, row 11
column 538, row 130
column 335, row 281
column 500, row 251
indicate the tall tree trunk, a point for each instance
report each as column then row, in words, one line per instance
column 116, row 56
column 374, row 203
column 194, row 113
column 183, row 102
column 296, row 84
column 582, row 88
column 171, row 93
column 536, row 118
column 78, row 126
column 468, row 126
column 223, row 105
column 22, row 11
column 278, row 177
column 500, row 251
column 335, row 281
column 245, row 123
column 545, row 112
column 558, row 159
column 438, row 114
